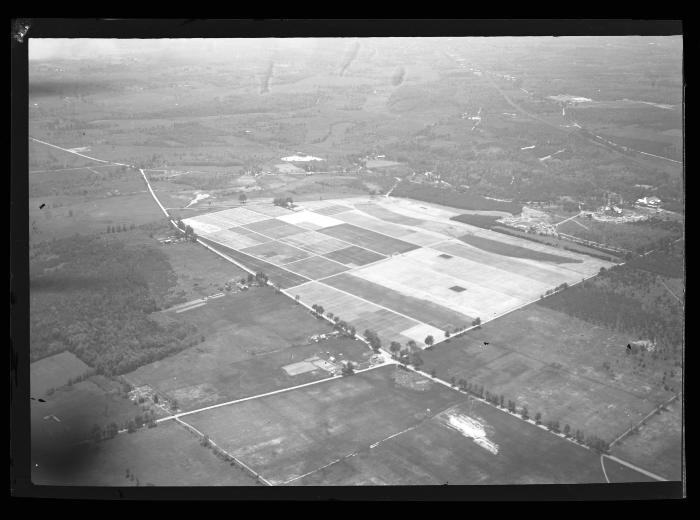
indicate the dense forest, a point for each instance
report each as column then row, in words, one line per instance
column 92, row 296
column 456, row 199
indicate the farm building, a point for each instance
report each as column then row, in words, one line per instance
column 649, row 201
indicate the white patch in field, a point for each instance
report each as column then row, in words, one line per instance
column 198, row 197
column 201, row 227
column 472, row 429
column 301, row 158
column 309, row 217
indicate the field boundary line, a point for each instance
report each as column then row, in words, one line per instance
column 267, row 394
column 235, row 459
column 602, row 465
column 532, row 422
column 641, row 422
column 635, row 468
column 371, row 446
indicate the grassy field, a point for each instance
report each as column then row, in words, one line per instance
column 90, row 216
column 658, row 445
column 168, row 455
column 420, row 434
column 199, row 272
column 53, row 372
column 287, row 435
column 69, row 413
column 250, row 336
column 564, row 368
column 436, row 452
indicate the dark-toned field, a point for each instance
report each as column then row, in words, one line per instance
column 168, row 455
column 354, row 256
column 501, row 248
column 368, row 239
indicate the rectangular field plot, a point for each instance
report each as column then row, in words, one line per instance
column 360, row 219
column 386, row 214
column 277, row 252
column 315, row 242
column 275, row 228
column 354, row 256
column 276, row 274
column 310, row 220
column 483, row 296
column 420, row 309
column 467, row 444
column 238, row 216
column 368, row 239
column 316, row 267
column 237, row 240
column 332, row 210
column 288, row 435
column 363, row 315
column 269, row 209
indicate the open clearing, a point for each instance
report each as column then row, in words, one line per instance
column 168, row 455
column 418, row 436
column 411, row 270
column 555, row 365
column 658, row 445
column 250, row 336
column 53, row 372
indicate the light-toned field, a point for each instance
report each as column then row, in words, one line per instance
column 411, row 250
column 364, row 314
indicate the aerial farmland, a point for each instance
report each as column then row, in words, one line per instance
column 357, row 262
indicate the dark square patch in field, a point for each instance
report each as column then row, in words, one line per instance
column 445, row 256
column 457, row 288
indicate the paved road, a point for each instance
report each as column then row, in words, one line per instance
column 267, row 394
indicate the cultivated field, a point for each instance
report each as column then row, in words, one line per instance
column 419, row 435
column 401, row 268
column 564, row 368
